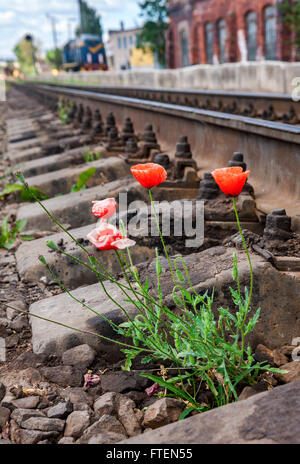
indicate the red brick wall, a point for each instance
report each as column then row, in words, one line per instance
column 180, row 11
column 233, row 12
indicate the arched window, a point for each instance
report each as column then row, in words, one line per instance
column 184, row 49
column 222, row 40
column 209, row 43
column 170, row 49
column 251, row 31
column 270, row 33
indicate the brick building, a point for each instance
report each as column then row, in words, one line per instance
column 226, row 31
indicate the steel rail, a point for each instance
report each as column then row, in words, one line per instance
column 271, row 149
column 270, row 107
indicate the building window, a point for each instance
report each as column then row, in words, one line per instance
column 209, row 43
column 222, row 40
column 184, row 49
column 125, row 42
column 270, row 33
column 119, row 43
column 251, row 31
column 131, row 40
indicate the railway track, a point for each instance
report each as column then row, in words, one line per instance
column 270, row 147
column 269, row 107
column 51, row 157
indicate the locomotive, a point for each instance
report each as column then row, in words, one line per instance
column 85, row 53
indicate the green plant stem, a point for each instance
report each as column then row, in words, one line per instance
column 74, row 328
column 247, row 252
column 161, row 236
column 251, row 271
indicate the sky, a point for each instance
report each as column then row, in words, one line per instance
column 19, row 17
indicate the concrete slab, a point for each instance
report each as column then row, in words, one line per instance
column 74, row 209
column 29, row 154
column 60, row 161
column 272, row 417
column 276, row 293
column 53, row 339
column 25, row 144
column 61, row 181
column 56, row 144
column 71, row 273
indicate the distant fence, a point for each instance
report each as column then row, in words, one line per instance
column 265, row 76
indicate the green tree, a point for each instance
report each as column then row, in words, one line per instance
column 25, row 51
column 89, row 20
column 290, row 10
column 55, row 57
column 153, row 32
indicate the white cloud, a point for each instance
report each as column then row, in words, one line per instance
column 18, row 17
column 6, row 17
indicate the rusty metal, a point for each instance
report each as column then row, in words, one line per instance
column 271, row 107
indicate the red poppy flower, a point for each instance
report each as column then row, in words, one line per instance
column 231, row 180
column 108, row 237
column 149, row 175
column 105, row 208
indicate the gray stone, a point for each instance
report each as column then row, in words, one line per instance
column 32, row 437
column 105, row 425
column 163, row 412
column 81, row 356
column 29, row 402
column 262, row 353
column 43, row 424
column 123, row 382
column 76, row 423
column 2, row 391
column 18, row 304
column 66, row 441
column 75, row 208
column 57, row 182
column 20, row 323
column 4, row 416
column 272, row 417
column 106, row 404
column 29, row 359
column 21, row 415
column 128, row 417
column 67, row 376
column 78, row 397
column 60, row 410
column 12, row 341
column 105, row 439
column 292, row 372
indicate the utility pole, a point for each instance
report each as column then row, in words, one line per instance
column 80, row 16
column 54, row 33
